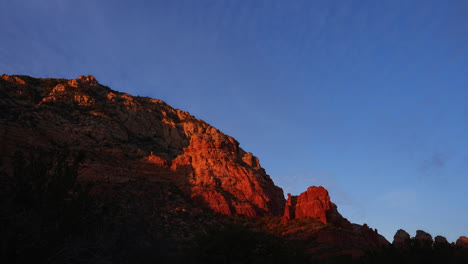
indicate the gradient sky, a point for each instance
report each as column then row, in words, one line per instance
column 367, row 98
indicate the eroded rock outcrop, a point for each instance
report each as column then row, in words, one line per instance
column 440, row 242
column 372, row 236
column 462, row 242
column 423, row 239
column 314, row 215
column 401, row 240
column 314, row 203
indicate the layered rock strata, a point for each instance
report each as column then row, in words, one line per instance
column 314, row 203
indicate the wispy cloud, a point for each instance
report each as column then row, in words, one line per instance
column 434, row 164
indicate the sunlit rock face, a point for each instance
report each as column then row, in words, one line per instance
column 332, row 230
column 314, row 203
column 126, row 137
column 462, row 242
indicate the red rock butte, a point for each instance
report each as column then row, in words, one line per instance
column 313, row 203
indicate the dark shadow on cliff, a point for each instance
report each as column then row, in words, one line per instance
column 47, row 216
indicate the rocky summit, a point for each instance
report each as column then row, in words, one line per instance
column 314, row 203
column 92, row 175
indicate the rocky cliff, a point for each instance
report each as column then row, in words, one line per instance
column 423, row 240
column 145, row 152
column 159, row 177
column 401, row 240
column 334, row 234
column 314, row 203
column 125, row 137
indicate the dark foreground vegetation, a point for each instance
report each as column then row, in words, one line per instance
column 420, row 254
column 49, row 216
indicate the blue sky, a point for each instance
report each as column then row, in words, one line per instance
column 367, row 98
